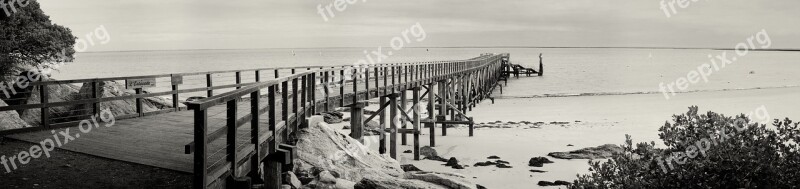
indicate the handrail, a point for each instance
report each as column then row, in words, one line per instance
column 215, row 100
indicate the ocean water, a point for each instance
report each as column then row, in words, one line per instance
column 568, row 71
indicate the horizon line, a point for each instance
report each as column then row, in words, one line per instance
column 466, row 47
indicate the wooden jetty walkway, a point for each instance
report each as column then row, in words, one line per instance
column 223, row 139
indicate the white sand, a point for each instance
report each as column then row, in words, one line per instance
column 604, row 120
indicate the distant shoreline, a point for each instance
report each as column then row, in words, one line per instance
column 468, row 47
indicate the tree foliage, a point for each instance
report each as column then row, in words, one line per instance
column 755, row 156
column 29, row 39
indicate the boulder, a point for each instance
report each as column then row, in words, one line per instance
column 11, row 119
column 538, row 161
column 452, row 162
column 333, row 117
column 122, row 107
column 450, row 180
column 373, row 182
column 428, row 151
column 600, row 152
column 344, row 184
column 55, row 93
column 291, row 179
column 409, row 168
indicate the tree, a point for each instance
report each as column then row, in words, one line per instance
column 28, row 39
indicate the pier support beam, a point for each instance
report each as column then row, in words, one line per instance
column 443, row 106
column 357, row 120
column 393, row 120
column 403, row 101
column 431, row 113
column 416, row 121
column 382, row 121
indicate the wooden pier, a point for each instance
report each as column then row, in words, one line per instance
column 226, row 138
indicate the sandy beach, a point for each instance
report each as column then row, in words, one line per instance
column 593, row 121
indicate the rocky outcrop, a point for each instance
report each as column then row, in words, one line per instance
column 55, row 93
column 538, row 161
column 335, row 160
column 122, row 107
column 333, row 117
column 601, row 152
column 450, row 180
column 11, row 119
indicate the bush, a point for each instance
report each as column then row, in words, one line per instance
column 740, row 154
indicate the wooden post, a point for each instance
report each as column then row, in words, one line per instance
column 285, row 109
column 175, row 96
column 357, row 120
column 273, row 173
column 416, row 121
column 273, row 146
column 231, row 135
column 295, row 106
column 255, row 132
column 139, row 106
column 432, row 113
column 443, row 105
column 382, row 122
column 200, row 179
column 96, row 94
column 393, row 130
column 341, row 88
column 238, row 79
column 44, row 99
column 404, row 136
column 471, row 126
column 541, row 66
column 209, row 84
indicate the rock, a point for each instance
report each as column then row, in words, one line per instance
column 504, row 166
column 538, row 161
column 11, row 119
column 436, row 158
column 561, row 182
column 344, row 184
column 545, row 183
column 501, row 162
column 452, row 162
column 483, row 164
column 450, row 180
column 570, row 145
column 291, row 179
column 537, row 171
column 121, row 107
column 601, row 152
column 320, row 147
column 409, row 168
column 326, row 180
column 408, row 151
column 56, row 93
column 394, row 183
column 493, row 157
column 346, row 127
column 428, row 151
column 478, row 186
column 333, row 117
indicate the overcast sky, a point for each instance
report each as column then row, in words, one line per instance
column 207, row 24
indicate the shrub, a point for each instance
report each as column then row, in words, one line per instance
column 753, row 156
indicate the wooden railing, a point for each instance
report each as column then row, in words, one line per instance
column 87, row 102
column 287, row 101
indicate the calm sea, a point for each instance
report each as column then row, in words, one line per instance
column 568, row 71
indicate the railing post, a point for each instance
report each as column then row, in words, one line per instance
column 295, row 106
column 231, row 137
column 313, row 92
column 341, row 87
column 255, row 105
column 238, row 80
column 44, row 99
column 175, row 101
column 258, row 75
column 209, row 84
column 392, row 121
column 96, row 95
column 200, row 148
column 273, row 146
column 139, row 106
column 285, row 109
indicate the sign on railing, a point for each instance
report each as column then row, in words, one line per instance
column 140, row 83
